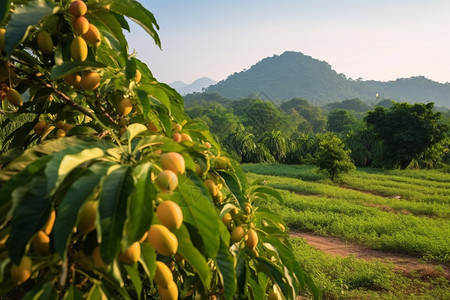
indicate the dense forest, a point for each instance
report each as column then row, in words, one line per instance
column 386, row 134
column 293, row 74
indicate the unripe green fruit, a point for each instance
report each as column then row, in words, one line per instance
column 169, row 293
column 173, row 161
column 125, row 106
column 79, row 49
column 163, row 275
column 93, row 36
column 87, row 215
column 252, row 239
column 90, row 80
column 14, row 97
column 167, row 180
column 45, row 42
column 77, row 8
column 169, row 214
column 80, row 25
column 20, row 273
column 132, row 254
column 162, row 240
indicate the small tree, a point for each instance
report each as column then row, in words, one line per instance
column 332, row 158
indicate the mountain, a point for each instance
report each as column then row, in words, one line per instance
column 196, row 86
column 293, row 74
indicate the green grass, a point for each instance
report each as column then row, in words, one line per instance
column 351, row 278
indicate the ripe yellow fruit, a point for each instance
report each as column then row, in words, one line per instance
column 163, row 275
column 167, row 180
column 162, row 240
column 67, row 127
column 73, row 79
column 20, row 273
column 97, row 259
column 186, row 137
column 212, row 187
column 248, row 208
column 80, row 25
column 132, row 254
column 87, row 215
column 45, row 42
column 282, row 227
column 77, row 8
column 40, row 125
column 176, row 137
column 234, row 211
column 252, row 239
column 173, row 161
column 14, row 97
column 208, row 145
column 125, row 106
column 59, row 124
column 50, row 222
column 222, row 162
column 169, row 293
column 177, row 127
column 169, row 214
column 41, row 243
column 60, row 133
column 237, row 234
column 79, row 49
column 90, row 80
column 93, row 36
column 2, row 39
column 227, row 219
column 138, row 76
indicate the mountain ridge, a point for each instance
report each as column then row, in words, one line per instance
column 196, row 86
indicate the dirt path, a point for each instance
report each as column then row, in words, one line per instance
column 403, row 263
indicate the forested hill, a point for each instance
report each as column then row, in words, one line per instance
column 293, row 74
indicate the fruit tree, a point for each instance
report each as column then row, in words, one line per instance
column 107, row 189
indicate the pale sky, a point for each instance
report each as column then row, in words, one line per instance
column 372, row 39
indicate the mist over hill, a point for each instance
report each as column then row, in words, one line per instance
column 196, row 86
column 293, row 74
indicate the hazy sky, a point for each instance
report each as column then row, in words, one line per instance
column 372, row 39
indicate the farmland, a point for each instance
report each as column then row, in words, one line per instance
column 404, row 212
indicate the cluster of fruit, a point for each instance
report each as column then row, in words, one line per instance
column 43, row 128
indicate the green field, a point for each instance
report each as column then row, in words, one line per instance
column 403, row 212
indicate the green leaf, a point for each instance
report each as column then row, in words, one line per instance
column 116, row 189
column 70, row 162
column 70, row 67
column 135, row 129
column 269, row 268
column 130, row 69
column 148, row 259
column 41, row 292
column 73, row 293
column 28, row 216
column 22, row 20
column 67, row 211
column 4, row 8
column 225, row 263
column 133, row 273
column 157, row 93
column 241, row 276
column 96, row 293
column 140, row 205
column 234, row 186
column 113, row 25
column 191, row 254
column 269, row 191
column 139, row 14
column 198, row 210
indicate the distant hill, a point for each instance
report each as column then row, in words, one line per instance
column 293, row 74
column 196, row 86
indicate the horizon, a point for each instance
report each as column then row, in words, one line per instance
column 380, row 41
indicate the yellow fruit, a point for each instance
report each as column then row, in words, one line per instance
column 234, row 211
column 97, row 259
column 226, row 219
column 212, row 187
column 252, row 239
column 20, row 273
column 144, row 237
column 90, row 80
column 282, row 227
column 2, row 39
column 237, row 234
column 40, row 125
column 173, row 161
column 93, row 36
column 87, row 215
column 59, row 124
column 176, row 137
column 222, row 162
column 162, row 240
column 67, row 127
column 163, row 275
column 77, row 8
column 79, row 49
column 169, row 293
column 177, row 127
column 132, row 254
column 167, row 180
column 80, row 25
column 138, row 75
column 248, row 208
column 73, row 79
column 125, row 106
column 14, row 97
column 186, row 137
column 41, row 243
column 208, row 145
column 60, row 133
column 50, row 222
column 152, row 127
column 170, row 214
column 45, row 42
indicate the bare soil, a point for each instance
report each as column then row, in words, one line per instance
column 402, row 263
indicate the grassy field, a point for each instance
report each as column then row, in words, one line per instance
column 396, row 211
